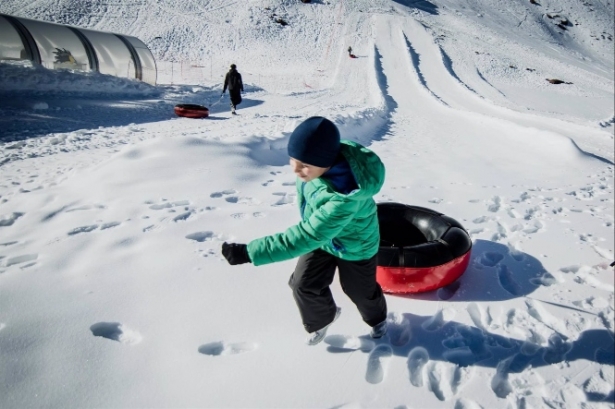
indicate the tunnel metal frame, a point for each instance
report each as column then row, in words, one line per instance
column 135, row 52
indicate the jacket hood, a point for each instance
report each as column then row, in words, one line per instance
column 368, row 169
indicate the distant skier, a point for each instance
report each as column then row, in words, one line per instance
column 336, row 182
column 349, row 51
column 235, row 87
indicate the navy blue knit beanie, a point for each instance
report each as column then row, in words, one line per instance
column 316, row 141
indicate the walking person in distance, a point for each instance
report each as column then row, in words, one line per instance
column 233, row 82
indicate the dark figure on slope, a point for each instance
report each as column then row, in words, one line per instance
column 233, row 82
column 336, row 182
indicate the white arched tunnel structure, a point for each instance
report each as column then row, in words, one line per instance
column 57, row 46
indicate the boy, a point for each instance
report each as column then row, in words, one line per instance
column 336, row 182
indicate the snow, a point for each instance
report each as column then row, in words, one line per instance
column 113, row 291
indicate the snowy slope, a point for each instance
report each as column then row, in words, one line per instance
column 113, row 292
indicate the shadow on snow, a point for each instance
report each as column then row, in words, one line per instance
column 495, row 273
column 423, row 5
column 67, row 113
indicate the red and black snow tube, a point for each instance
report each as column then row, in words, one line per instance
column 191, row 111
column 420, row 249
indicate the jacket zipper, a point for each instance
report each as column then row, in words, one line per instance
column 338, row 246
column 304, row 199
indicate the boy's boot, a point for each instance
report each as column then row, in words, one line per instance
column 317, row 336
column 379, row 330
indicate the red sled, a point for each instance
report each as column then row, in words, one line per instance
column 420, row 249
column 352, row 56
column 191, row 111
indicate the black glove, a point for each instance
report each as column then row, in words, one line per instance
column 235, row 253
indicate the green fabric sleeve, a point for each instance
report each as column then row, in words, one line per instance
column 321, row 227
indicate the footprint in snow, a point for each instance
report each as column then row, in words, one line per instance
column 438, row 320
column 475, row 232
column 285, row 198
column 222, row 348
column 400, row 330
column 482, row 219
column 556, row 350
column 464, row 403
column 208, row 253
column 445, row 380
column 546, row 280
column 83, row 229
column 223, row 193
column 29, row 259
column 167, row 205
column 501, row 232
column 109, row 225
column 116, row 331
column 523, row 197
column 507, row 280
column 242, row 200
column 480, row 318
column 151, row 227
column 202, row 236
column 536, row 310
column 377, row 364
column 490, row 258
column 447, row 292
column 417, row 359
column 10, row 219
column 349, row 343
column 500, row 384
column 183, row 216
column 515, row 252
column 513, row 214
column 533, row 213
column 494, row 204
column 85, row 207
column 535, row 227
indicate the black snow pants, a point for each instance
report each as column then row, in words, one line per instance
column 310, row 284
column 235, row 97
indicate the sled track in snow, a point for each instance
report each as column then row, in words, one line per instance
column 389, row 103
column 448, row 64
column 415, row 59
column 480, row 75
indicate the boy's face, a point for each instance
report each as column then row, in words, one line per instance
column 306, row 172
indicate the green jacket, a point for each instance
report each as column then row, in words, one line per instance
column 345, row 225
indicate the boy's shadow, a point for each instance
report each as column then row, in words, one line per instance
column 423, row 339
column 495, row 273
column 465, row 345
